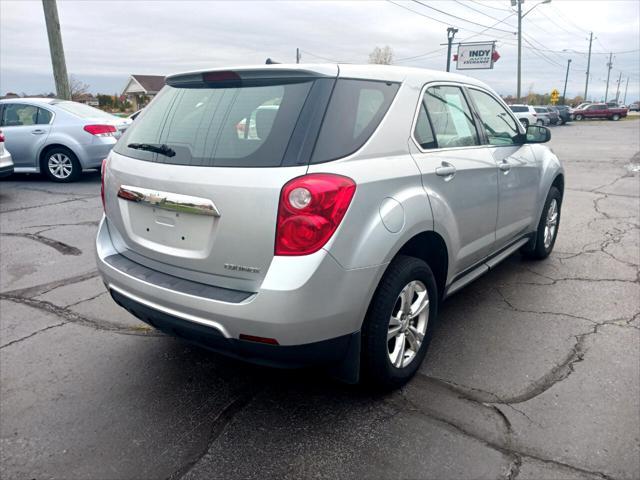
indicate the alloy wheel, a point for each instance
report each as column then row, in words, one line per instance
column 408, row 324
column 60, row 165
column 551, row 223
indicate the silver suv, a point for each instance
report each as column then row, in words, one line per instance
column 301, row 215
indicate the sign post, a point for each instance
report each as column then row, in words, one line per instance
column 476, row 56
column 555, row 96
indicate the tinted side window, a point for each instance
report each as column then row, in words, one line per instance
column 423, row 132
column 518, row 109
column 355, row 110
column 17, row 114
column 451, row 117
column 44, row 116
column 500, row 128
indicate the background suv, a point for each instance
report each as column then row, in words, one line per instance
column 528, row 115
column 57, row 137
column 330, row 227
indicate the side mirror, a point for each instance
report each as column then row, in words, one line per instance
column 538, row 134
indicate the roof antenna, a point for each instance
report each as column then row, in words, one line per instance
column 271, row 62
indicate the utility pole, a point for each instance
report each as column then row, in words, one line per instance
column 451, row 32
column 55, row 47
column 566, row 77
column 618, row 89
column 624, row 101
column 297, row 55
column 609, row 66
column 518, row 91
column 586, row 85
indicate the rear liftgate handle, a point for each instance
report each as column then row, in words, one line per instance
column 446, row 170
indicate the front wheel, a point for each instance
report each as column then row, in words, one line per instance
column 615, row 117
column 540, row 123
column 399, row 323
column 542, row 243
column 579, row 117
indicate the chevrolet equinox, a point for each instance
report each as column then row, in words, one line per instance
column 302, row 215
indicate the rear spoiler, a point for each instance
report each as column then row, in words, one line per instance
column 243, row 78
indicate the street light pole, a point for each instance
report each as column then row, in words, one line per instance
column 566, row 77
column 618, row 89
column 624, row 101
column 519, row 50
column 520, row 17
column 451, row 32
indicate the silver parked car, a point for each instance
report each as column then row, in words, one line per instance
column 57, row 137
column 331, row 232
column 6, row 161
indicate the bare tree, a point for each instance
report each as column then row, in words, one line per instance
column 78, row 87
column 381, row 56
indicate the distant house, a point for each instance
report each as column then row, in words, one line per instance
column 87, row 99
column 11, row 95
column 141, row 89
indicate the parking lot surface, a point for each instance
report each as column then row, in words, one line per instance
column 533, row 373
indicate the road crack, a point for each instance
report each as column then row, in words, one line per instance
column 13, row 342
column 61, row 247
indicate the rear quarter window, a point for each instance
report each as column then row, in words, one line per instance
column 355, row 110
column 518, row 109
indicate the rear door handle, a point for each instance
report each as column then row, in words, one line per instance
column 446, row 170
column 37, row 132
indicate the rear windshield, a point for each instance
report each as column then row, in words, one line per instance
column 518, row 109
column 223, row 127
column 252, row 126
column 81, row 110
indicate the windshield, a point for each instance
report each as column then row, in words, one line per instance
column 81, row 110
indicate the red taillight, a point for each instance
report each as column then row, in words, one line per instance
column 1, row 136
column 100, row 130
column 311, row 208
column 103, row 172
column 226, row 76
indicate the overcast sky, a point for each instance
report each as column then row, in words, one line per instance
column 105, row 41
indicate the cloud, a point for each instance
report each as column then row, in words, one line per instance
column 105, row 41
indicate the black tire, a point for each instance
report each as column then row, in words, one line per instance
column 525, row 123
column 536, row 248
column 376, row 367
column 71, row 171
column 579, row 118
column 560, row 121
column 615, row 117
column 540, row 123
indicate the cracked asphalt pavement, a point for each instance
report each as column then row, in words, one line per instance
column 534, row 371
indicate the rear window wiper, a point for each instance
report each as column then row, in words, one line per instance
column 150, row 147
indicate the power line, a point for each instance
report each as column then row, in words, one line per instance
column 459, row 18
column 476, row 10
column 403, row 59
column 541, row 12
column 486, row 4
column 561, row 15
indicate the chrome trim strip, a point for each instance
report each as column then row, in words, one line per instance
column 169, row 201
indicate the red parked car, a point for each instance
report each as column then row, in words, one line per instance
column 600, row 110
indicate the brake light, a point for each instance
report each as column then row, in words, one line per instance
column 310, row 210
column 103, row 172
column 101, row 130
column 1, row 136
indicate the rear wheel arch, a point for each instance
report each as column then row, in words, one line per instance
column 430, row 247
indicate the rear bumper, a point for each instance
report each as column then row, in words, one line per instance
column 91, row 155
column 325, row 352
column 302, row 301
column 6, row 164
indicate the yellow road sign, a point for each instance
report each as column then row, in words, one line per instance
column 555, row 96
